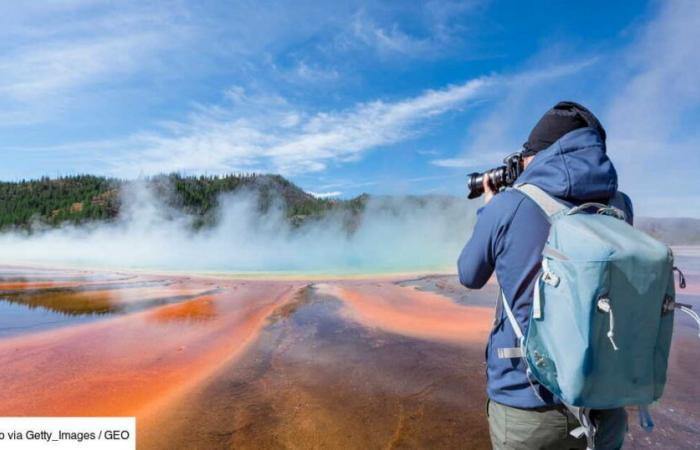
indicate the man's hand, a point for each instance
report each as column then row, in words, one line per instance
column 488, row 192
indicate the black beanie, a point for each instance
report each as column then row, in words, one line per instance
column 561, row 119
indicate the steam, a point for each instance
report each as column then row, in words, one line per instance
column 393, row 234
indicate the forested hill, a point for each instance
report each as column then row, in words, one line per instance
column 76, row 199
column 87, row 198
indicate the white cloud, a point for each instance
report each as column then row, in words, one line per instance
column 264, row 132
column 268, row 133
column 647, row 95
column 59, row 53
column 661, row 75
column 326, row 194
column 52, row 70
column 653, row 112
column 438, row 29
column 389, row 40
column 464, row 163
column 308, row 72
column 503, row 125
column 451, row 162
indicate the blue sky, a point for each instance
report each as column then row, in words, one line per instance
column 347, row 97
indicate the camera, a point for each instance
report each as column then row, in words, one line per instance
column 499, row 177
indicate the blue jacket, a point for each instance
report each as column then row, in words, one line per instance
column 509, row 235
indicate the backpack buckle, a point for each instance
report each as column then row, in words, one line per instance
column 550, row 278
column 668, row 305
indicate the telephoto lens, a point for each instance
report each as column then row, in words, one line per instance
column 475, row 183
column 499, row 177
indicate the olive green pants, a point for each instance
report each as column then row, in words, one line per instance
column 549, row 428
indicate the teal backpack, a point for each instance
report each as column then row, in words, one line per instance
column 600, row 329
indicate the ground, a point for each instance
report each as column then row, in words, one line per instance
column 225, row 362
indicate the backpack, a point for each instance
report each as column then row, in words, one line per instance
column 602, row 314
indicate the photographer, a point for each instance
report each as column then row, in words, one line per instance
column 565, row 156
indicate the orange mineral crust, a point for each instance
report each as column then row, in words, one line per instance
column 315, row 378
column 124, row 365
column 412, row 312
column 219, row 362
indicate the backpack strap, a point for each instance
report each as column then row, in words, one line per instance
column 551, row 207
column 617, row 201
column 511, row 352
column 519, row 351
column 587, row 428
column 618, row 207
column 645, row 420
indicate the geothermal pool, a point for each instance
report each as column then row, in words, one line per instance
column 385, row 361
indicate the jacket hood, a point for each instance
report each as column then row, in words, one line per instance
column 575, row 168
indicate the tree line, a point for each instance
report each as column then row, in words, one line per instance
column 82, row 199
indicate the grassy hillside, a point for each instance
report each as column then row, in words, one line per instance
column 86, row 198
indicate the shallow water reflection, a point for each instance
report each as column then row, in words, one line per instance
column 28, row 304
column 17, row 318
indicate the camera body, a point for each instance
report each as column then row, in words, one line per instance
column 499, row 177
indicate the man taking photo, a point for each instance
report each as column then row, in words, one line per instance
column 565, row 156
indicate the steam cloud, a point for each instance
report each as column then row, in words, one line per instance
column 394, row 234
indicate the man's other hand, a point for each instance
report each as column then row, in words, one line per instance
column 488, row 192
